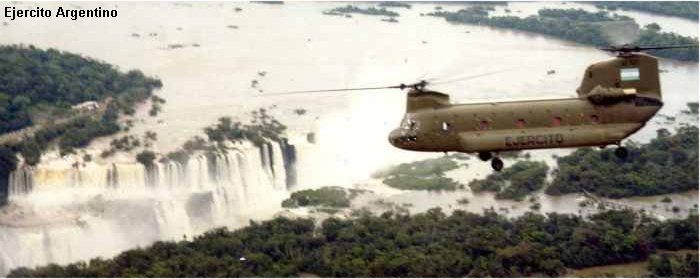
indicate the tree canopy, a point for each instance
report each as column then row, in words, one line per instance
column 575, row 25
column 430, row 244
column 36, row 83
column 32, row 80
column 514, row 182
column 667, row 164
column 684, row 9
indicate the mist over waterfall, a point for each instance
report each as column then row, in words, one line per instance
column 62, row 213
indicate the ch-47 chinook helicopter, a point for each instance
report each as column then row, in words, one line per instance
column 615, row 99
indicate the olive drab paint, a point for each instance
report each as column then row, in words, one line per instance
column 615, row 99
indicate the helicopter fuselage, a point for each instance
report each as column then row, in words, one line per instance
column 519, row 125
column 615, row 99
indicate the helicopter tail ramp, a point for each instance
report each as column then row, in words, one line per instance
column 628, row 75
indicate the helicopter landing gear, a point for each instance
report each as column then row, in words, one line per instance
column 621, row 152
column 485, row 156
column 497, row 164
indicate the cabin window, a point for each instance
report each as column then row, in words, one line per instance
column 595, row 119
column 520, row 123
column 556, row 121
column 484, row 125
column 629, row 74
column 445, row 126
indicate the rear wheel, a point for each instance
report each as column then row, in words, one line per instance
column 485, row 156
column 621, row 152
column 497, row 164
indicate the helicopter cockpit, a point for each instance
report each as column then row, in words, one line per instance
column 406, row 133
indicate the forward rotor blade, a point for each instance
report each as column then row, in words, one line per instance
column 330, row 90
column 471, row 76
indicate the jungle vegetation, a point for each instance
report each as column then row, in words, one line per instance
column 430, row 244
column 394, row 4
column 684, row 9
column 44, row 84
column 692, row 108
column 350, row 9
column 684, row 265
column 427, row 174
column 514, row 182
column 575, row 25
column 38, row 87
column 328, row 196
column 667, row 164
column 34, row 82
column 261, row 128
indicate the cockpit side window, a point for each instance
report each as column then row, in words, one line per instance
column 409, row 123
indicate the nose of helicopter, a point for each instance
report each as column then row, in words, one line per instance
column 394, row 137
column 402, row 139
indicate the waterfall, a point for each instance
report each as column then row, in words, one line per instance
column 62, row 213
column 21, row 181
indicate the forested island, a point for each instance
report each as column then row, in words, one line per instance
column 427, row 174
column 575, row 25
column 37, row 85
column 667, row 164
column 261, row 128
column 430, row 244
column 328, row 197
column 39, row 90
column 394, row 4
column 350, row 9
column 684, row 9
column 514, row 182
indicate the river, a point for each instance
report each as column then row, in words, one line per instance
column 207, row 54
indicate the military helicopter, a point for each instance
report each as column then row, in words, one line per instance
column 615, row 99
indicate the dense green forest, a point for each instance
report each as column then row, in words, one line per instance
column 42, row 85
column 667, row 164
column 263, row 126
column 350, row 9
column 685, row 9
column 427, row 174
column 665, row 265
column 514, row 182
column 575, row 25
column 394, row 4
column 35, row 81
column 429, row 244
column 329, row 196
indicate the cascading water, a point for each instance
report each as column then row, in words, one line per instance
column 63, row 213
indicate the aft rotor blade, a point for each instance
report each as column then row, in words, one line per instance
column 667, row 47
column 635, row 49
column 471, row 76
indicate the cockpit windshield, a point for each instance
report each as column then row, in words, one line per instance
column 409, row 123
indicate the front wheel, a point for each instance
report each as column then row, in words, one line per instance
column 497, row 164
column 485, row 156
